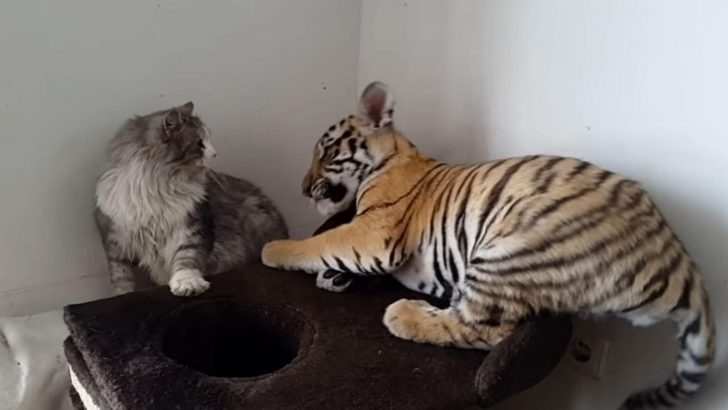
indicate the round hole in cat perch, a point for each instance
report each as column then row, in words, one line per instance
column 232, row 341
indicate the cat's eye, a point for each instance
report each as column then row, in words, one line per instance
column 201, row 144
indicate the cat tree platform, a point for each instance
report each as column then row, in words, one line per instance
column 267, row 339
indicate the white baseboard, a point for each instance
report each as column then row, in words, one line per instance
column 52, row 296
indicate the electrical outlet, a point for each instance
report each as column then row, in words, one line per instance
column 587, row 354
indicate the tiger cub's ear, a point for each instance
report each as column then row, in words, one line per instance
column 377, row 104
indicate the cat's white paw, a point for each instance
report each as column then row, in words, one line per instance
column 188, row 282
column 333, row 281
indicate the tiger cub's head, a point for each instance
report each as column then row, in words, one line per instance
column 346, row 153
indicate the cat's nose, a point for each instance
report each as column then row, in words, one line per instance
column 210, row 150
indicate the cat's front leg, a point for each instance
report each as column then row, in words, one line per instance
column 121, row 269
column 188, row 282
column 358, row 247
column 188, row 263
column 121, row 274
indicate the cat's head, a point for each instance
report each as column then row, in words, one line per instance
column 175, row 137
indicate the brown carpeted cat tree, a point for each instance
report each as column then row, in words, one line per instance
column 267, row 339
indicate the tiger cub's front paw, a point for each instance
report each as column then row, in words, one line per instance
column 273, row 254
column 333, row 281
column 288, row 254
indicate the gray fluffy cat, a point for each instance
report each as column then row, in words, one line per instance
column 160, row 207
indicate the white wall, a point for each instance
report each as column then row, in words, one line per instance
column 267, row 76
column 636, row 86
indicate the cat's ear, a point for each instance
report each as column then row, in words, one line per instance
column 171, row 123
column 174, row 118
column 187, row 108
column 377, row 104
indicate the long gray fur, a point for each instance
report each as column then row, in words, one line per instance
column 160, row 207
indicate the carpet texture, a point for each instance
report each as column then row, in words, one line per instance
column 268, row 339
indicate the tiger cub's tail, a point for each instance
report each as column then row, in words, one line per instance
column 696, row 334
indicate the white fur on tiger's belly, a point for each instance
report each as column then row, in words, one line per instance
column 418, row 274
column 188, row 282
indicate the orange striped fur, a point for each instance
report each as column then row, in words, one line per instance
column 502, row 241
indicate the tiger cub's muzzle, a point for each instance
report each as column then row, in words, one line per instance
column 324, row 189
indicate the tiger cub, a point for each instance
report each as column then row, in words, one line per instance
column 502, row 240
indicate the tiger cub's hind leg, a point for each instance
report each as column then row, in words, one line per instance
column 418, row 321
